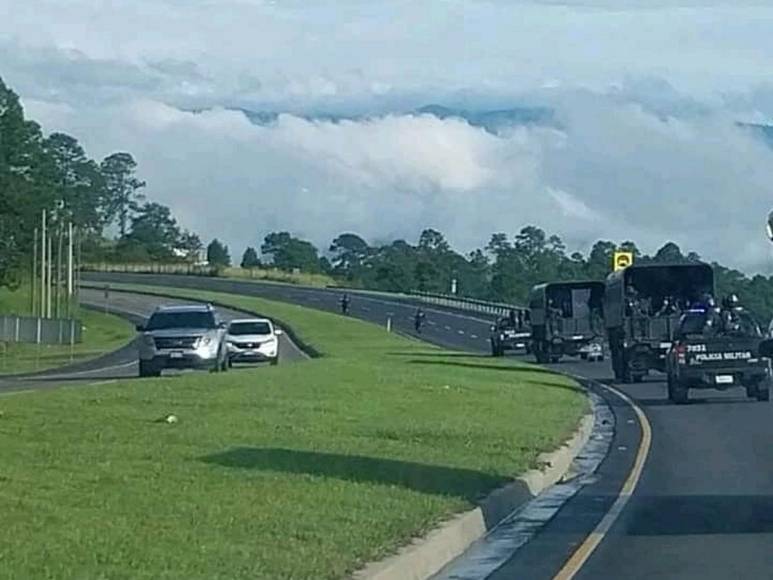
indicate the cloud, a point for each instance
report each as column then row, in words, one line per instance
column 645, row 98
column 615, row 171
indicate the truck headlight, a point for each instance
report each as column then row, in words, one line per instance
column 203, row 342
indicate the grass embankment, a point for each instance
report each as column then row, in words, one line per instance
column 305, row 470
column 274, row 275
column 102, row 333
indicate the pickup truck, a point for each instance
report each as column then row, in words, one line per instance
column 506, row 336
column 705, row 357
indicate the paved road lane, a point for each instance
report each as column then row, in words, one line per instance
column 121, row 364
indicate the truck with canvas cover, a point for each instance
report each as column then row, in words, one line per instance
column 566, row 317
column 643, row 305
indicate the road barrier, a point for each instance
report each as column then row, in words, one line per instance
column 152, row 268
column 37, row 330
column 467, row 304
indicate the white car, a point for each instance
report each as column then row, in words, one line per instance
column 592, row 351
column 253, row 340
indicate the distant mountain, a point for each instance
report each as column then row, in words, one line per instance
column 491, row 121
column 763, row 131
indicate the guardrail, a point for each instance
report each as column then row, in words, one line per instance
column 36, row 330
column 151, row 268
column 468, row 304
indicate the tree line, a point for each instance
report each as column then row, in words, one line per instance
column 53, row 172
column 504, row 270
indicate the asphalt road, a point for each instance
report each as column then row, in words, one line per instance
column 121, row 364
column 704, row 506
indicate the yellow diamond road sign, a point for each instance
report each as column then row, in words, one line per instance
column 622, row 260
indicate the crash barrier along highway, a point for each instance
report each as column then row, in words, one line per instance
column 37, row 330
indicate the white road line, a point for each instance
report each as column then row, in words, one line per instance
column 431, row 323
column 447, row 327
column 473, row 336
column 461, row 332
column 591, row 542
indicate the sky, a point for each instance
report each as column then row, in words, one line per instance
column 644, row 143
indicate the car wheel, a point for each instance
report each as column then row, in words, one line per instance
column 275, row 361
column 148, row 369
column 763, row 394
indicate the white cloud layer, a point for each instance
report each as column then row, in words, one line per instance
column 646, row 96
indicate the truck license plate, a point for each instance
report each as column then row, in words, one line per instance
column 723, row 379
column 175, row 354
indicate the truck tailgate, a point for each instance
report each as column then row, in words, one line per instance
column 721, row 352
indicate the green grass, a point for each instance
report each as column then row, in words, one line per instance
column 304, row 470
column 279, row 276
column 102, row 333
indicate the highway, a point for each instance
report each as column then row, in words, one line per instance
column 703, row 508
column 120, row 364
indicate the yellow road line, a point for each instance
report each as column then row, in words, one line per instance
column 586, row 549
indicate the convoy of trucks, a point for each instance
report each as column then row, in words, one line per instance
column 653, row 318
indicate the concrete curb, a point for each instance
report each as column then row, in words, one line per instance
column 428, row 555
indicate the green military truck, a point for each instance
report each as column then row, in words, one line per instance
column 643, row 305
column 566, row 318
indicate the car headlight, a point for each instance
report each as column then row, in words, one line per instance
column 203, row 341
column 148, row 340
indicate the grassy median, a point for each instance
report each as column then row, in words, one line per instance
column 102, row 333
column 303, row 470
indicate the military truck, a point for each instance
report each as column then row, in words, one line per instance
column 510, row 333
column 565, row 318
column 643, row 305
column 718, row 351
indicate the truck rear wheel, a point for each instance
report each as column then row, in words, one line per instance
column 677, row 393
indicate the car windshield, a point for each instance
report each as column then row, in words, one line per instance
column 242, row 328
column 164, row 320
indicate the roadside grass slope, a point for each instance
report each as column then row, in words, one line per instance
column 306, row 470
column 102, row 333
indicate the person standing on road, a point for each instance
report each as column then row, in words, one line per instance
column 418, row 319
column 345, row 304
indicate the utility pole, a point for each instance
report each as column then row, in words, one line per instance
column 69, row 269
column 34, row 282
column 50, row 276
column 59, row 277
column 43, row 266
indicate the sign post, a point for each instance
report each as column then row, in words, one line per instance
column 622, row 260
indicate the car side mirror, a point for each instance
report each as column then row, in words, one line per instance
column 140, row 328
column 278, row 332
column 222, row 325
column 766, row 348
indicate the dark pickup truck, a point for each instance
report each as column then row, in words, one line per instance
column 704, row 357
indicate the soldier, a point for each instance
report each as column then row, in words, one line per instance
column 668, row 308
column 553, row 315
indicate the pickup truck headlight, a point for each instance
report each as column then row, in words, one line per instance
column 203, row 342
